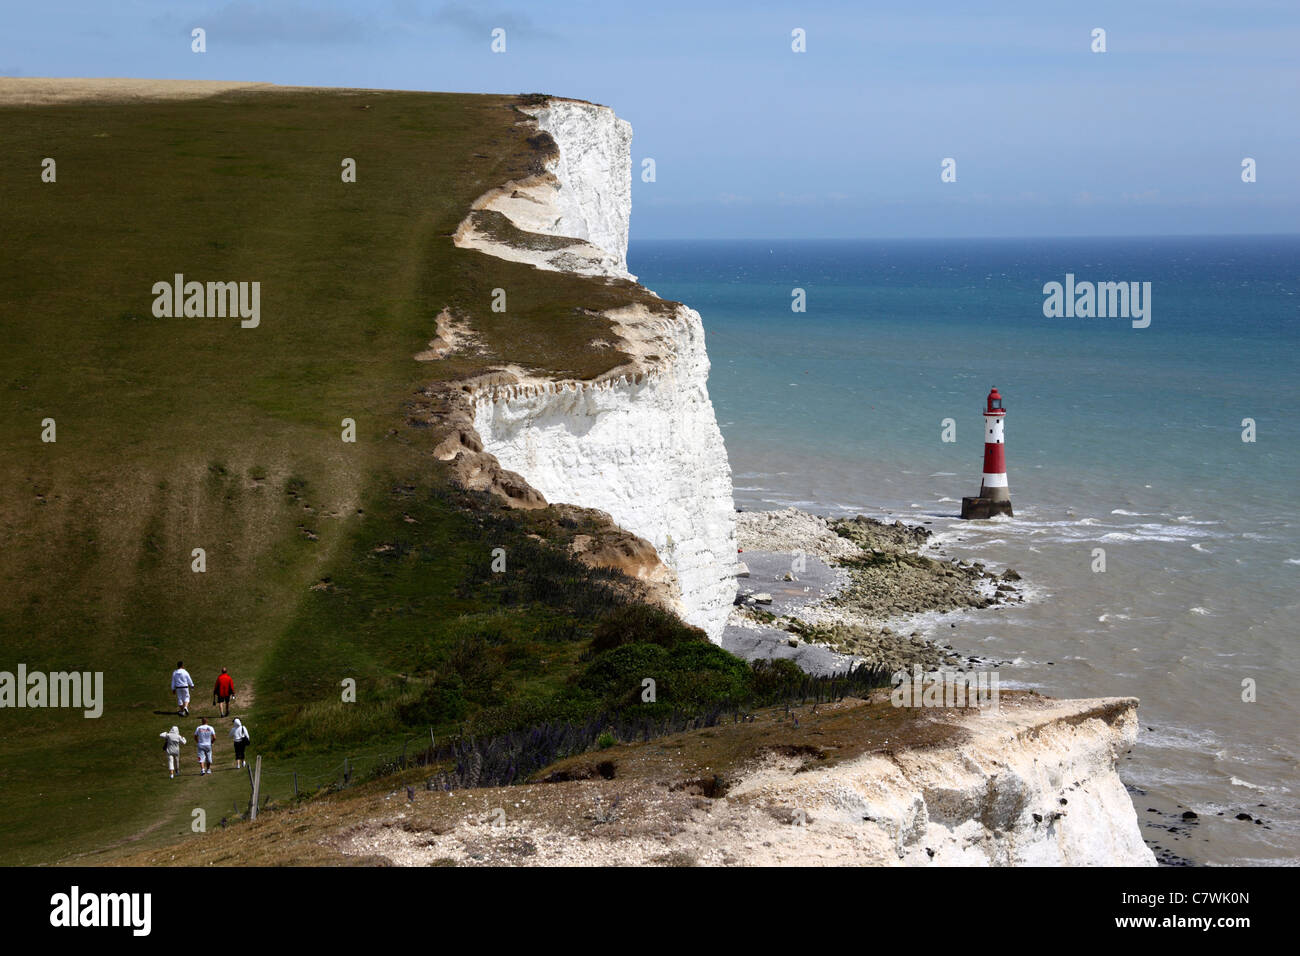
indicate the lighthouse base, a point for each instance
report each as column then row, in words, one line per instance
column 976, row 508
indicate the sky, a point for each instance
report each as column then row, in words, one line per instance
column 844, row 140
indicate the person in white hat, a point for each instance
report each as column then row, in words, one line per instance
column 172, row 741
column 239, row 734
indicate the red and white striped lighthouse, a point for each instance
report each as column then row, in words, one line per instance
column 995, row 496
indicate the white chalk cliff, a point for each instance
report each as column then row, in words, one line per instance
column 1033, row 783
column 641, row 444
column 585, row 196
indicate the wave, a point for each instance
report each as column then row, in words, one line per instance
column 1181, row 738
column 1168, row 534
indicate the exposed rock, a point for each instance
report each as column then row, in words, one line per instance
column 641, row 442
column 452, row 336
column 574, row 216
column 883, row 576
column 623, row 551
column 845, row 784
column 482, row 472
column 791, row 531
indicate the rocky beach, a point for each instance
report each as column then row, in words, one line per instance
column 830, row 593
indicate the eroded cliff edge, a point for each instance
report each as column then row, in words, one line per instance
column 640, row 442
column 1033, row 783
column 850, row 783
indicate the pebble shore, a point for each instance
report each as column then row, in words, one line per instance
column 878, row 575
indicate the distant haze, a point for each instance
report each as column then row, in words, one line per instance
column 844, row 140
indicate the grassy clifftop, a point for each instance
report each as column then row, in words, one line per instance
column 325, row 559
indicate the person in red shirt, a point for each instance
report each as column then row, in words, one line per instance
column 223, row 691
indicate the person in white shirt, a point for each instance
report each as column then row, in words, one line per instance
column 181, row 684
column 172, row 741
column 239, row 734
column 204, row 734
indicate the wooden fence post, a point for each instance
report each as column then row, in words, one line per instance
column 295, row 784
column 257, row 784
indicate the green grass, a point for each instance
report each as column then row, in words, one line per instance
column 498, row 228
column 181, row 433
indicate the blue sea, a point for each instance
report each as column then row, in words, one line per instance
column 1124, row 439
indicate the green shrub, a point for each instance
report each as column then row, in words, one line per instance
column 688, row 674
column 704, row 674
column 441, row 702
column 615, row 676
column 478, row 663
column 567, row 706
column 642, row 624
column 769, row 678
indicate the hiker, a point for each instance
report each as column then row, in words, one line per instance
column 222, row 691
column 172, row 741
column 239, row 734
column 204, row 734
column 181, row 684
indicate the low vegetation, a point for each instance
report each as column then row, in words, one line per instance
column 328, row 567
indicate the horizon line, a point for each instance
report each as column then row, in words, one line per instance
column 1168, row 235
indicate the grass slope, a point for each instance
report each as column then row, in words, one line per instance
column 326, row 560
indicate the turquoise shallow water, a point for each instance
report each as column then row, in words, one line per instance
column 1118, row 438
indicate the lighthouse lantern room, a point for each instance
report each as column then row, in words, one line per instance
column 995, row 496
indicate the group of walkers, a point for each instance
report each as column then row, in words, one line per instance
column 204, row 733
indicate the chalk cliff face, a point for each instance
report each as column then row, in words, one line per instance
column 1033, row 783
column 642, row 444
column 584, row 197
column 594, row 169
column 646, row 449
